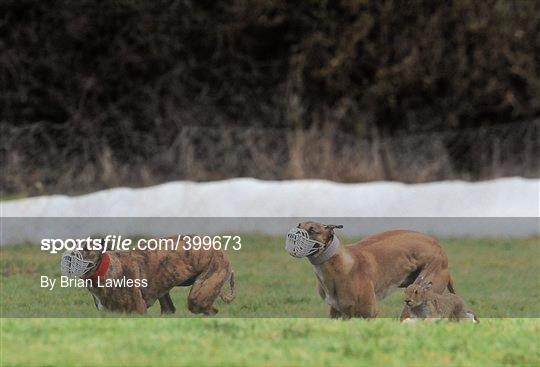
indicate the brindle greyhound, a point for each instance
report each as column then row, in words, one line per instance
column 205, row 271
column 353, row 278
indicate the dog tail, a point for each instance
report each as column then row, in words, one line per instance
column 450, row 285
column 231, row 295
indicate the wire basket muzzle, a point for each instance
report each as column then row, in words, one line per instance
column 74, row 265
column 298, row 243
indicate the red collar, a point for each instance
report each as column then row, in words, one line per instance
column 102, row 268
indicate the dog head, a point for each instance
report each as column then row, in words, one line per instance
column 310, row 238
column 323, row 233
column 90, row 254
column 417, row 294
column 80, row 262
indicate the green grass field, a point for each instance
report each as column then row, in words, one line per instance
column 267, row 342
column 277, row 317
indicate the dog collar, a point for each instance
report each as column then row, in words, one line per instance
column 102, row 268
column 328, row 252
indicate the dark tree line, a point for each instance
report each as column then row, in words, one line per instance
column 92, row 76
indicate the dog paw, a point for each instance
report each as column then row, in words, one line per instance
column 168, row 312
column 211, row 312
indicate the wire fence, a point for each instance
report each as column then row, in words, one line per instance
column 38, row 159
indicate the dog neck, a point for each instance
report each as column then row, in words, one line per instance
column 101, row 269
column 328, row 252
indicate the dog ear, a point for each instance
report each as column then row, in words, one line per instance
column 332, row 226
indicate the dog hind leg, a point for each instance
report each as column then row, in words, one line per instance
column 438, row 274
column 441, row 281
column 206, row 289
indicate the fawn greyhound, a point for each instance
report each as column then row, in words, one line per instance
column 351, row 279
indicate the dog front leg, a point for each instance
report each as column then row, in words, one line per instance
column 365, row 304
column 140, row 304
column 335, row 314
column 367, row 311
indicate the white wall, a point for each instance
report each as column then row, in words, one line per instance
column 246, row 197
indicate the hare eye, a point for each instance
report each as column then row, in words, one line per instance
column 416, row 292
